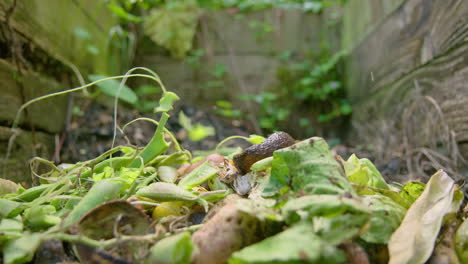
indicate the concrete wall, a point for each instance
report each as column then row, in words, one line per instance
column 250, row 55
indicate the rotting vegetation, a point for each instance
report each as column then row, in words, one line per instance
column 271, row 203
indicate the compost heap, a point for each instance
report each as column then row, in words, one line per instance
column 278, row 201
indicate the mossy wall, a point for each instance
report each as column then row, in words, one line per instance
column 42, row 45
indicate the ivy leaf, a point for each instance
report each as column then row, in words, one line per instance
column 111, row 87
column 173, row 26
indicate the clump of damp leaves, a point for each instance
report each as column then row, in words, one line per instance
column 158, row 204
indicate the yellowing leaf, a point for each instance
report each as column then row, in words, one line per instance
column 414, row 240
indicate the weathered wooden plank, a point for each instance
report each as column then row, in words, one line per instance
column 55, row 26
column 410, row 37
column 444, row 78
column 47, row 115
column 361, row 17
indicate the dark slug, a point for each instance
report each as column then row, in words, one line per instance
column 243, row 161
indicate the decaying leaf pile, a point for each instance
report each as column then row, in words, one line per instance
column 279, row 201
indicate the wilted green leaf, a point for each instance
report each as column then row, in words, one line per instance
column 199, row 132
column 363, row 172
column 167, row 174
column 385, row 219
column 162, row 192
column 261, row 209
column 195, row 132
column 10, row 228
column 298, row 244
column 166, row 102
column 32, row 193
column 198, row 176
column 147, row 89
column 7, row 186
column 111, row 88
column 255, row 139
column 126, row 175
column 327, row 205
column 262, row 164
column 9, row 208
column 101, row 191
column 166, row 192
column 334, row 218
column 392, row 194
column 309, row 166
column 176, row 249
column 184, row 121
column 461, row 241
column 340, row 228
column 109, row 219
column 40, row 217
column 21, row 250
column 173, row 26
column 412, row 190
column 216, row 184
column 414, row 240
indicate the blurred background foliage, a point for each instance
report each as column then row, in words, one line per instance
column 308, row 92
